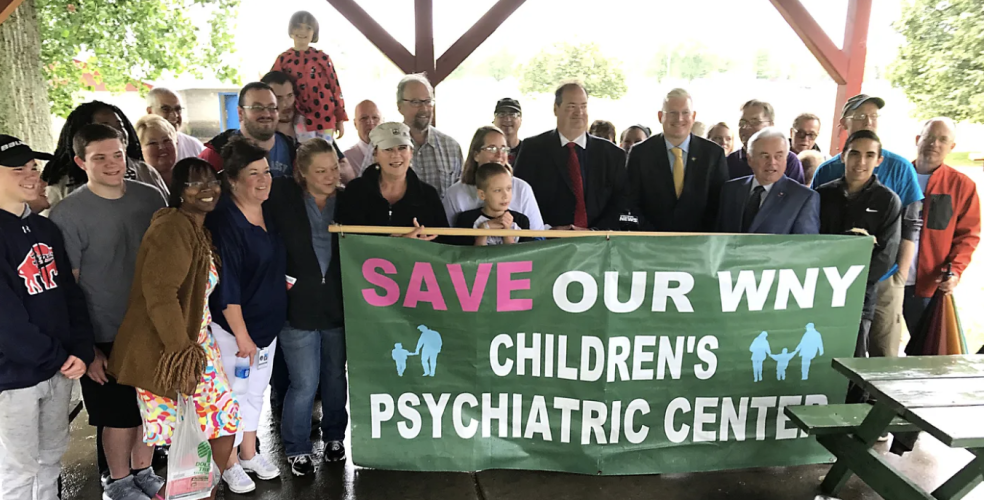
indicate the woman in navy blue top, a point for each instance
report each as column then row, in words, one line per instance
column 249, row 306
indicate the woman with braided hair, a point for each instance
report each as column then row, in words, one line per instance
column 64, row 175
column 165, row 347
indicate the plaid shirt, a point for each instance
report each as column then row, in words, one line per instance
column 438, row 161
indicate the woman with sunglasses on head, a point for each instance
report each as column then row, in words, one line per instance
column 165, row 347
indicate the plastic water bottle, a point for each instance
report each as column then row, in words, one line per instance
column 240, row 384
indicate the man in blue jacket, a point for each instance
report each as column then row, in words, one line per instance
column 45, row 336
column 768, row 202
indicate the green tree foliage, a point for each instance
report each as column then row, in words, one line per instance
column 128, row 41
column 689, row 62
column 602, row 77
column 501, row 65
column 941, row 65
column 765, row 68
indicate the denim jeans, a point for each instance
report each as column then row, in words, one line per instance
column 313, row 356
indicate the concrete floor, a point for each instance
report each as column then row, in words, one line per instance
column 929, row 465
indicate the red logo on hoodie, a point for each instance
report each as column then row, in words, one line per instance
column 38, row 269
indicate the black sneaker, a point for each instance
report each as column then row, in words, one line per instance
column 301, row 465
column 334, row 451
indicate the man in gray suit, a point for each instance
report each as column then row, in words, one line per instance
column 768, row 202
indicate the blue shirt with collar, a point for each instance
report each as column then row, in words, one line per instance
column 895, row 172
column 320, row 236
column 685, row 146
column 252, row 273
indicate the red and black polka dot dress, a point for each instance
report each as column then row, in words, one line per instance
column 319, row 95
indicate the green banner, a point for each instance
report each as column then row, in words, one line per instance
column 634, row 355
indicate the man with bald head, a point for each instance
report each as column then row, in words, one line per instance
column 166, row 104
column 367, row 117
column 768, row 202
column 951, row 221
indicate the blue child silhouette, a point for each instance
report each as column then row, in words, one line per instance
column 430, row 343
column 782, row 362
column 810, row 346
column 400, row 356
column 760, row 349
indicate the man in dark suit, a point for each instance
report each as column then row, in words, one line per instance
column 768, row 202
column 675, row 177
column 578, row 179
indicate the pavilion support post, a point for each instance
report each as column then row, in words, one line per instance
column 7, row 7
column 376, row 34
column 856, row 50
column 845, row 66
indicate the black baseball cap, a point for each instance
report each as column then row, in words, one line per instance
column 508, row 104
column 856, row 102
column 14, row 153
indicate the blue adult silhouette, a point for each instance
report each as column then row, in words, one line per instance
column 782, row 362
column 400, row 356
column 760, row 349
column 429, row 346
column 810, row 346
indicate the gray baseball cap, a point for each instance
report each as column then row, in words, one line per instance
column 389, row 135
column 856, row 102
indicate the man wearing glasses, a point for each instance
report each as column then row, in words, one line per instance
column 258, row 116
column 509, row 117
column 437, row 158
column 757, row 115
column 166, row 104
column 803, row 135
column 898, row 174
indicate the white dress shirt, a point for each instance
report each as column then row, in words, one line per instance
column 461, row 197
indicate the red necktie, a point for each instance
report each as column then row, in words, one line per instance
column 574, row 170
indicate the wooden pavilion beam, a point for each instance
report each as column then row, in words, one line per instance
column 424, row 46
column 856, row 53
column 7, row 7
column 830, row 57
column 377, row 35
column 475, row 36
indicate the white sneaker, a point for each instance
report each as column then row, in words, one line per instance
column 260, row 466
column 237, row 480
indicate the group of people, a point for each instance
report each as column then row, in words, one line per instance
column 166, row 266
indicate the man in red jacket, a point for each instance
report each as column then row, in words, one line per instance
column 950, row 216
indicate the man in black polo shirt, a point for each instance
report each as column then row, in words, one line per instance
column 858, row 204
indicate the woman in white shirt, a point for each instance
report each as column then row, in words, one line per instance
column 489, row 146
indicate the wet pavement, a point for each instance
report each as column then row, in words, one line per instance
column 929, row 466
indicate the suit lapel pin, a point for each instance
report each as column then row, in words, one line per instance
column 693, row 158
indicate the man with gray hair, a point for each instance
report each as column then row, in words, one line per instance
column 437, row 157
column 951, row 223
column 167, row 104
column 768, row 202
column 755, row 116
column 803, row 134
column 675, row 177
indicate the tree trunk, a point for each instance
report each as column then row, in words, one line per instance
column 24, row 109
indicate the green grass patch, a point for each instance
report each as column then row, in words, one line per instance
column 962, row 160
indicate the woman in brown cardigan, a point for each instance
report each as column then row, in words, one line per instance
column 165, row 347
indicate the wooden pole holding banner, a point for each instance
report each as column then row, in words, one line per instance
column 529, row 233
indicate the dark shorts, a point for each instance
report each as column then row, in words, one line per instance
column 110, row 405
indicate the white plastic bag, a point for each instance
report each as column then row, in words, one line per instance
column 191, row 472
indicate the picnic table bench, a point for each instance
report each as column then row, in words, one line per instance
column 940, row 395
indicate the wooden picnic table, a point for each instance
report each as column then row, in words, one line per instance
column 940, row 395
